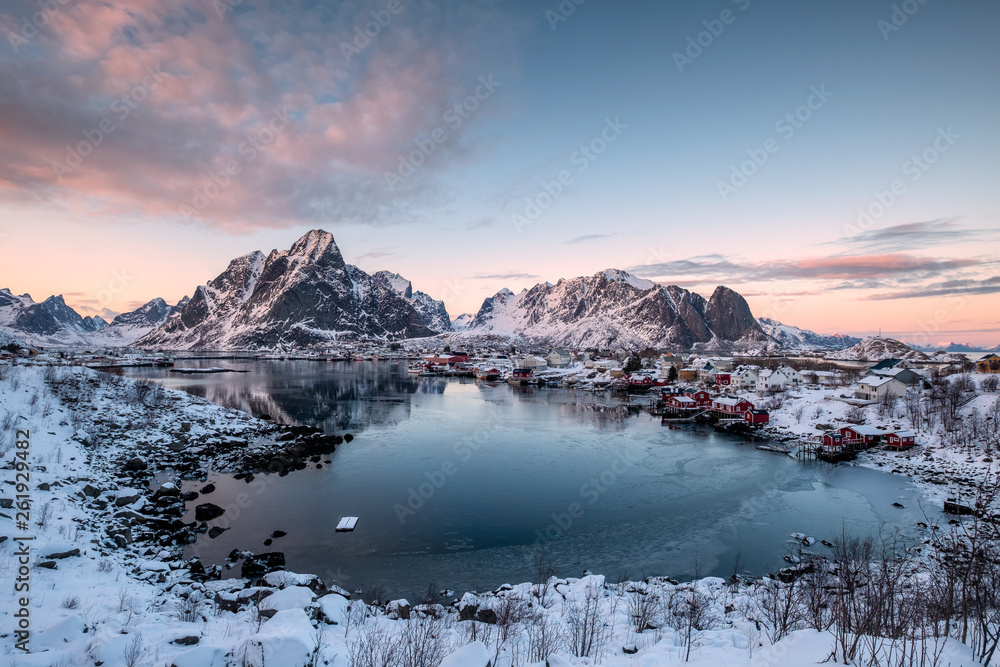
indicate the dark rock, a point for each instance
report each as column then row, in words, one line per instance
column 208, row 488
column 215, row 531
column 188, row 495
column 44, row 486
column 631, row 649
column 278, row 533
column 487, row 616
column 135, row 465
column 64, row 554
column 49, row 565
column 952, row 507
column 7, row 503
column 348, row 437
column 207, row 512
column 91, row 491
column 260, row 564
column 186, row 641
column 898, row 505
column 267, row 542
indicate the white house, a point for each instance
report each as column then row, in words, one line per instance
column 606, row 364
column 745, row 378
column 876, row 387
column 559, row 359
column 532, row 362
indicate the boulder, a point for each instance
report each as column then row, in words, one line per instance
column 64, row 554
column 471, row 655
column 135, row 465
column 260, row 564
column 207, row 512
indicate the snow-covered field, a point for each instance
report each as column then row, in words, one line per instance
column 107, row 585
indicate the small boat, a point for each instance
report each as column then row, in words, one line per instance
column 347, row 524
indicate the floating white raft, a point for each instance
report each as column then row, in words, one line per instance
column 347, row 523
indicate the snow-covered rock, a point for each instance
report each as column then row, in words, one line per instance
column 471, row 655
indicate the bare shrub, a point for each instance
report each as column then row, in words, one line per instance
column 374, row 646
column 134, row 652
column 587, row 631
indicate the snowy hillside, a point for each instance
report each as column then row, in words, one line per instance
column 794, row 338
column 615, row 309
column 302, row 296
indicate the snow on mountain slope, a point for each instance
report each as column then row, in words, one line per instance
column 462, row 322
column 302, row 296
column 49, row 323
column 130, row 327
column 877, row 348
column 615, row 309
column 794, row 338
column 432, row 312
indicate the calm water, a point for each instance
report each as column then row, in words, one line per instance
column 462, row 484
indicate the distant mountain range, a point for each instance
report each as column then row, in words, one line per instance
column 877, row 348
column 52, row 323
column 793, row 338
column 307, row 295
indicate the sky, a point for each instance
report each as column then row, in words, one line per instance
column 833, row 162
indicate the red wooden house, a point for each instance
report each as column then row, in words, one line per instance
column 756, row 417
column 523, row 373
column 681, row 403
column 861, row 435
column 731, row 406
column 640, row 381
column 702, row 398
column 723, row 379
column 900, row 439
column 833, row 439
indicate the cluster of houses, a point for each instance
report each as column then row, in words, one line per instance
column 863, row 437
column 688, row 402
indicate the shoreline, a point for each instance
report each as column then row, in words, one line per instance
column 101, row 460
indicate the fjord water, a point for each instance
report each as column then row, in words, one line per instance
column 461, row 484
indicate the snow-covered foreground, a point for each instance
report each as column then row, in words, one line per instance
column 101, row 581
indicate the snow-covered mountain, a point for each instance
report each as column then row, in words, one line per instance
column 615, row 309
column 302, row 296
column 130, row 327
column 52, row 323
column 431, row 311
column 949, row 346
column 462, row 322
column 49, row 323
column 794, row 338
column 877, row 348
